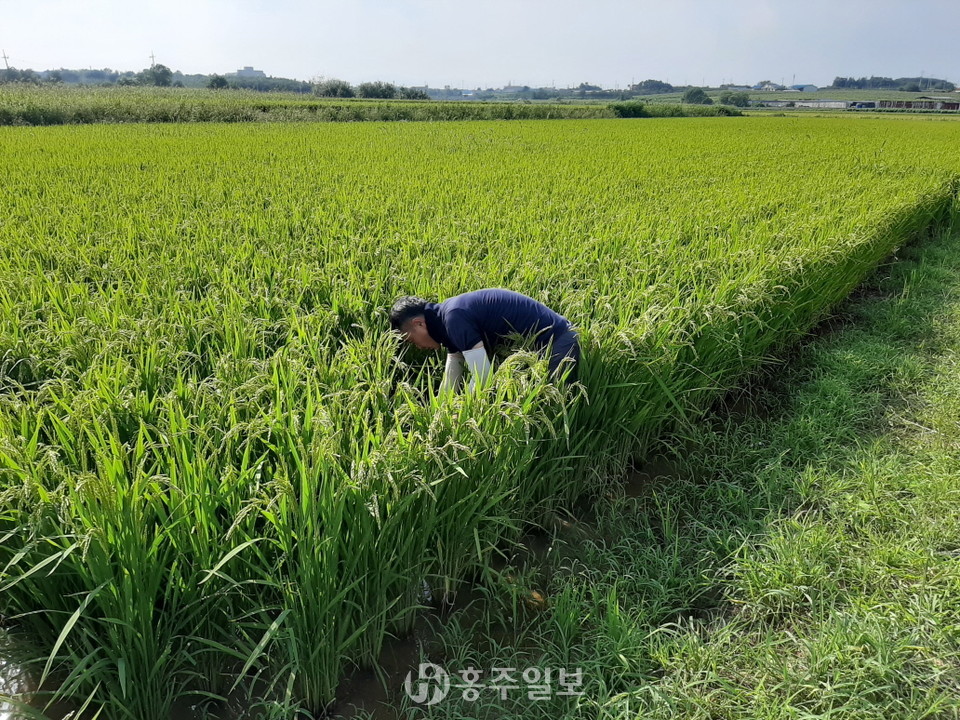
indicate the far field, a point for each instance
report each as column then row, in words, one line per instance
column 64, row 105
column 59, row 105
column 822, row 94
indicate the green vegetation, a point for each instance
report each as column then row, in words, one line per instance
column 905, row 84
column 634, row 109
column 792, row 555
column 31, row 105
column 753, row 95
column 737, row 99
column 216, row 471
column 156, row 75
column 52, row 105
column 695, row 96
column 331, row 87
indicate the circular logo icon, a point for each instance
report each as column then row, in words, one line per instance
column 432, row 684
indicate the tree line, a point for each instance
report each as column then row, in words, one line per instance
column 159, row 75
column 331, row 87
column 907, row 84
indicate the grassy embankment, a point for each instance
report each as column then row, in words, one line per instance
column 795, row 555
column 57, row 105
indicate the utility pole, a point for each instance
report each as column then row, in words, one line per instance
column 5, row 58
column 153, row 59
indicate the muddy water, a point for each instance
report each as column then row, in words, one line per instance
column 20, row 698
column 13, row 679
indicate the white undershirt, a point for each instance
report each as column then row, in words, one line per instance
column 477, row 362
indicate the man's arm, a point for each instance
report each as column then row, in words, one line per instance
column 479, row 364
column 452, row 372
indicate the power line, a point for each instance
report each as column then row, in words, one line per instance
column 5, row 58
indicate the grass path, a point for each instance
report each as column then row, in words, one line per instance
column 799, row 557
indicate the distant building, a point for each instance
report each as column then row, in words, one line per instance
column 804, row 88
column 768, row 87
column 249, row 72
column 823, row 104
column 922, row 103
column 512, row 88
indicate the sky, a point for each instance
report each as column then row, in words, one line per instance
column 491, row 43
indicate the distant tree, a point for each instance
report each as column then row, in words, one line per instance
column 545, row 93
column 586, row 87
column 158, row 75
column 737, row 99
column 11, row 75
column 378, row 89
column 924, row 84
column 331, row 87
column 695, row 96
column 868, row 83
column 217, row 82
column 652, row 87
column 127, row 80
column 270, row 84
column 408, row 93
column 630, row 109
column 54, row 76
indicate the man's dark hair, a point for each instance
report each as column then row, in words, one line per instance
column 406, row 308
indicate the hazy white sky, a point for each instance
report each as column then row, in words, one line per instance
column 489, row 43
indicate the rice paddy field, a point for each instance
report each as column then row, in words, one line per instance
column 219, row 471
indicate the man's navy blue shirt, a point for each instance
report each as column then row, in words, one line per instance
column 490, row 315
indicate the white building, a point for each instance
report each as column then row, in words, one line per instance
column 823, row 104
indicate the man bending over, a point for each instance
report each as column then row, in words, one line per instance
column 471, row 325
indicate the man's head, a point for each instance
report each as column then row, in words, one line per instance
column 406, row 317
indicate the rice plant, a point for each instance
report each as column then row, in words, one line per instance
column 218, row 469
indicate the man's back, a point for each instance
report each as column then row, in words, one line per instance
column 494, row 313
